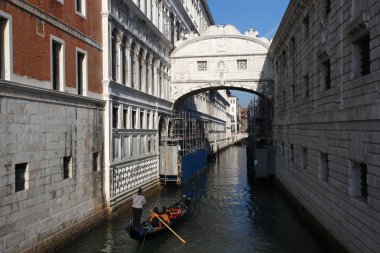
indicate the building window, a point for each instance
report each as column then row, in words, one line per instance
column 292, row 47
column 306, row 27
column 21, row 176
column 115, row 115
column 141, row 66
column 241, row 64
column 202, row 65
column 124, row 67
column 324, row 166
column 57, row 63
column 95, row 161
column 361, row 62
column 304, row 158
column 291, row 152
column 67, row 167
column 306, row 86
column 3, row 58
column 326, row 74
column 325, row 7
column 114, row 55
column 142, row 120
column 294, row 92
column 6, row 66
column 283, row 59
column 81, row 72
column 126, row 120
column 134, row 115
column 80, row 7
column 358, row 185
column 149, row 146
column 172, row 30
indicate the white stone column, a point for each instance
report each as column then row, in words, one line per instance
column 160, row 17
column 149, row 10
column 136, row 71
column 143, row 73
column 154, row 12
column 120, row 120
column 142, row 5
column 128, row 67
column 164, row 80
column 159, row 86
column 154, row 85
column 129, row 119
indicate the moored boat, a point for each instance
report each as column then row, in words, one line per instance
column 150, row 228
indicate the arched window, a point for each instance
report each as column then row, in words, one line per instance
column 124, row 67
column 152, row 76
column 132, row 61
column 160, row 72
column 114, row 55
column 147, row 73
column 140, row 69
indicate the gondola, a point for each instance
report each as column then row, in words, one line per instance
column 146, row 230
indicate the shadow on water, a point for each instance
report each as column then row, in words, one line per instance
column 230, row 212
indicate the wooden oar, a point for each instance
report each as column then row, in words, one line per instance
column 182, row 240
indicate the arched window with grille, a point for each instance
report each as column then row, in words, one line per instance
column 124, row 67
column 140, row 69
column 114, row 54
column 132, row 74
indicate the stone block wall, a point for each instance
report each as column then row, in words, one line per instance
column 39, row 128
column 327, row 116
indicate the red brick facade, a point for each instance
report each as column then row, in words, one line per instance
column 31, row 49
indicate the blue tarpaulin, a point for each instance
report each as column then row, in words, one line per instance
column 193, row 163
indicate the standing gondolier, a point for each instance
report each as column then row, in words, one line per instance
column 138, row 202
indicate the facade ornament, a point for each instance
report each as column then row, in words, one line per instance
column 221, row 65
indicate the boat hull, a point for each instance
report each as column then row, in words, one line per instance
column 146, row 231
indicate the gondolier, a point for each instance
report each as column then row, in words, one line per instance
column 148, row 229
column 138, row 202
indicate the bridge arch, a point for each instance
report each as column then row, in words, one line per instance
column 221, row 58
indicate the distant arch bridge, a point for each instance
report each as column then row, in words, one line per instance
column 221, row 58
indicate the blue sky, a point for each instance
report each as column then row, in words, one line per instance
column 262, row 15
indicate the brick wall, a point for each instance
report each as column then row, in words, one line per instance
column 31, row 42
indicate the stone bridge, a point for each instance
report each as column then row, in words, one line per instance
column 222, row 58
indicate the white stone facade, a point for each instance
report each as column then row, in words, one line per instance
column 138, row 37
column 211, row 108
column 327, row 121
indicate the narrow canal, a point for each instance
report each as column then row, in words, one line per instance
column 229, row 213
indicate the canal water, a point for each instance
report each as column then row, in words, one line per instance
column 230, row 213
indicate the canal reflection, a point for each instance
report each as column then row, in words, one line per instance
column 229, row 213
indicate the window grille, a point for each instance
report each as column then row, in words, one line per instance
column 20, row 171
column 326, row 71
column 66, row 167
column 241, row 64
column 365, row 62
column 202, row 65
